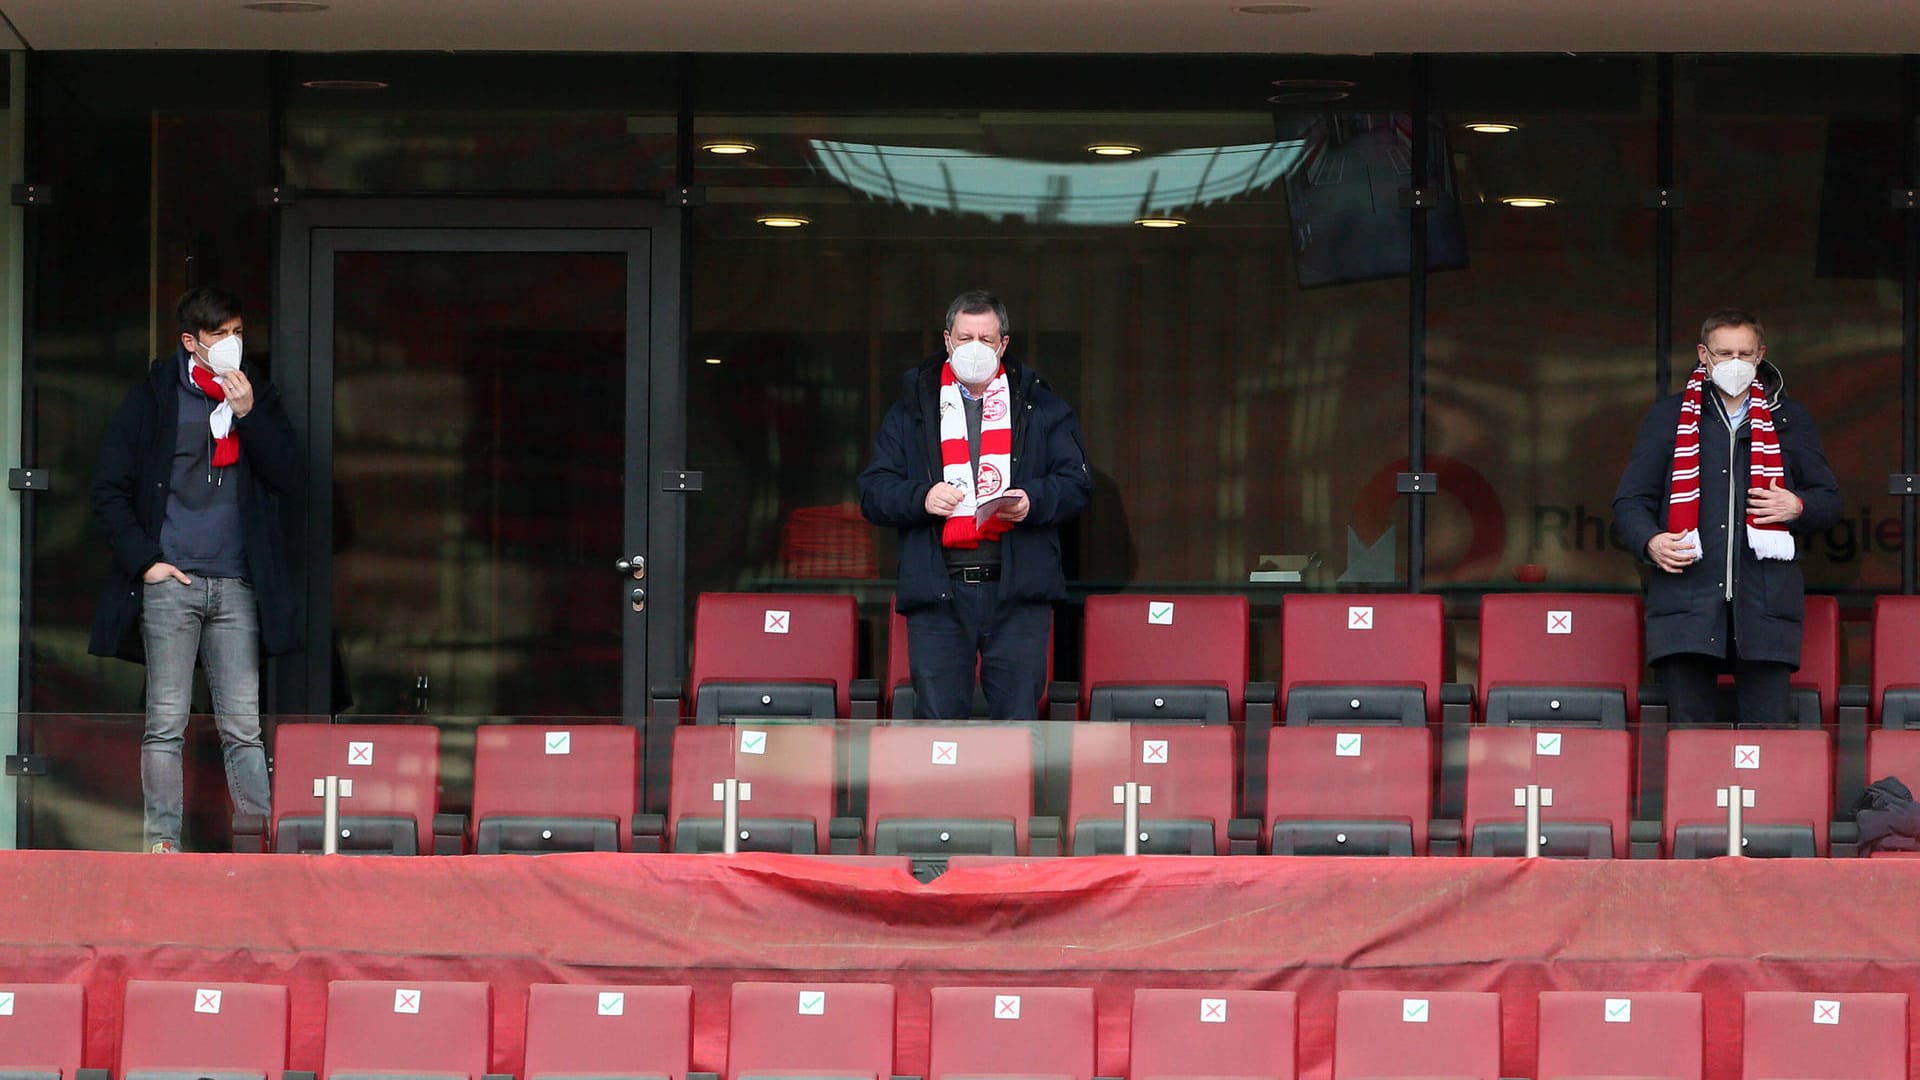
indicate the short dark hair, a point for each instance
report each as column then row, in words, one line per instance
column 1731, row 317
column 205, row 308
column 978, row 302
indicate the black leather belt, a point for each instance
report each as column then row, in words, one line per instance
column 974, row 575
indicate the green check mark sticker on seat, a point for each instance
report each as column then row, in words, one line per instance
column 753, row 742
column 1160, row 614
column 813, row 1002
column 1619, row 1010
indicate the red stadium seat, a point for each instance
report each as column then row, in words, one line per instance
column 205, row 1029
column 608, row 1031
column 1587, row 795
column 939, row 790
column 1027, row 1032
column 554, row 787
column 1331, row 791
column 390, row 791
column 1380, row 1034
column 1790, row 776
column 1586, row 1034
column 1799, row 1036
column 1361, row 660
column 839, row 1030
column 788, row 770
column 1814, row 697
column 1186, row 773
column 1213, row 1033
column 377, row 1028
column 1561, row 659
column 899, row 689
column 1894, row 699
column 42, row 1030
column 1158, row 659
column 773, row 656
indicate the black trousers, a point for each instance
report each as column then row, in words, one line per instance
column 1760, row 687
column 1007, row 643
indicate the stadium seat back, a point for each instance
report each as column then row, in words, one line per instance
column 540, row 787
column 789, row 771
column 981, row 1031
column 608, row 1031
column 1216, row 1033
column 42, row 1030
column 1379, row 1034
column 1186, row 773
column 1586, row 793
column 383, row 1028
column 1894, row 692
column 394, row 771
column 1192, row 650
column 1589, row 643
column 773, row 656
column 840, row 1030
column 1333, row 791
column 1361, row 641
column 207, row 1029
column 1789, row 775
column 969, row 783
column 1593, row 1033
column 1801, row 1036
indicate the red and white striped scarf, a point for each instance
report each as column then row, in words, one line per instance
column 956, row 457
column 226, row 444
column 1765, row 469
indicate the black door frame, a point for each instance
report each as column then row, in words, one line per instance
column 653, row 519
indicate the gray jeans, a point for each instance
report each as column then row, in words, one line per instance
column 215, row 620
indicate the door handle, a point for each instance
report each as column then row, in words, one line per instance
column 639, row 599
column 636, row 566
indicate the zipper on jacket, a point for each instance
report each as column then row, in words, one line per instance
column 1732, row 445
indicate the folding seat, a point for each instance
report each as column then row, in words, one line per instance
column 1561, row 659
column 763, row 656
column 609, row 1031
column 1787, row 778
column 1331, row 791
column 379, row 1030
column 787, row 792
column 1585, row 1034
column 1894, row 700
column 226, row 1031
column 1162, row 659
column 1380, row 1034
column 1186, row 776
column 540, row 788
column 1361, row 660
column 983, row 1031
column 960, row 789
column 1798, row 1036
column 832, row 1031
column 389, row 791
column 1586, row 791
column 899, row 686
column 1813, row 696
column 1214, row 1033
column 42, row 1030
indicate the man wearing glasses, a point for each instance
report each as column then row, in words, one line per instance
column 1723, row 479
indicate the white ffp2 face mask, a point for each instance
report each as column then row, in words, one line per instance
column 224, row 355
column 1734, row 376
column 974, row 362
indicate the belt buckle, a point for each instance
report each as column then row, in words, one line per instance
column 973, row 575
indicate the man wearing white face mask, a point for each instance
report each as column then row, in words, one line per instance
column 186, row 493
column 1723, row 479
column 977, row 465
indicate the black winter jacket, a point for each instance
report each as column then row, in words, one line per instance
column 1049, row 464
column 1687, row 612
column 129, row 498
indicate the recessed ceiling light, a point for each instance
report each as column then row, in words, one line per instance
column 1112, row 149
column 714, row 360
column 285, row 7
column 1308, row 97
column 728, row 147
column 782, row 221
column 1274, row 9
column 1528, row 202
column 1492, row 127
column 1161, row 221
column 1314, row 84
column 344, row 84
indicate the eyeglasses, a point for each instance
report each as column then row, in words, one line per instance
column 1722, row 354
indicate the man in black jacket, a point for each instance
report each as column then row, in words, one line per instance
column 1723, row 480
column 977, row 465
column 185, row 492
